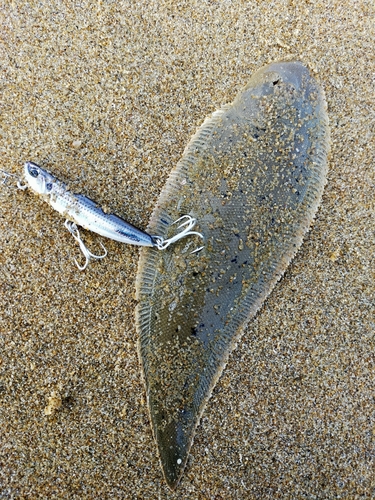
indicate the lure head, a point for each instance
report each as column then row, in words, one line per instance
column 38, row 179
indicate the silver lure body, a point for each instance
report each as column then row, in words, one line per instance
column 83, row 211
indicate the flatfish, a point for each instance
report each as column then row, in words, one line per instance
column 252, row 176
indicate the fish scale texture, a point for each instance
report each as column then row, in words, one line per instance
column 253, row 177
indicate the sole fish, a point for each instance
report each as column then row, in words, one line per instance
column 252, row 176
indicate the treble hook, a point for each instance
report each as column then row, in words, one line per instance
column 7, row 175
column 73, row 230
column 162, row 244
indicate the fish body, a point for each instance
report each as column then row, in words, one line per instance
column 252, row 176
column 83, row 211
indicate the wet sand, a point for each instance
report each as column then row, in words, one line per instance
column 106, row 96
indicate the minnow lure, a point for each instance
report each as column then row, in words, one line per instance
column 82, row 211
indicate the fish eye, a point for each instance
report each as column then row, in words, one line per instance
column 49, row 186
column 34, row 172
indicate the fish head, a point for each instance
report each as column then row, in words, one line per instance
column 38, row 179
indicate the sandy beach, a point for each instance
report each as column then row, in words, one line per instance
column 106, row 95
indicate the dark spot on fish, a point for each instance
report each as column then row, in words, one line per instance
column 257, row 132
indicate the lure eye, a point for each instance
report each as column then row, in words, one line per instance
column 34, row 172
column 49, row 186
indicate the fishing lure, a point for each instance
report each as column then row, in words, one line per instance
column 82, row 211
